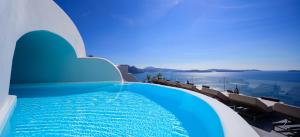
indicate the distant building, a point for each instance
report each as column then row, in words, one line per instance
column 126, row 75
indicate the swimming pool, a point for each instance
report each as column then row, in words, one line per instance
column 110, row 109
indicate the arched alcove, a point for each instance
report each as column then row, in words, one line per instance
column 45, row 57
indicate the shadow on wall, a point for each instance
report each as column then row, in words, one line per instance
column 44, row 57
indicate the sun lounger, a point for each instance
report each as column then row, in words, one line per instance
column 158, row 81
column 215, row 94
column 230, row 91
column 291, row 125
column 269, row 98
column 186, row 86
column 166, row 82
column 172, row 84
column 251, row 106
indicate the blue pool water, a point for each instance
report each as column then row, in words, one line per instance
column 109, row 109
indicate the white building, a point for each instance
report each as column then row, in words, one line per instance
column 40, row 44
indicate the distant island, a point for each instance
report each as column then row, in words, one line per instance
column 293, row 70
column 134, row 70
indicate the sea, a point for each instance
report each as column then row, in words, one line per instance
column 282, row 85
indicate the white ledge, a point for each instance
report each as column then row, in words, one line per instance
column 233, row 124
column 7, row 110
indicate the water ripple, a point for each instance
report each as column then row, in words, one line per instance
column 99, row 113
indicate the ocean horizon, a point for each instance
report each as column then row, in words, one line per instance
column 282, row 85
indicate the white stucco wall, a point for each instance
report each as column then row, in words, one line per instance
column 18, row 17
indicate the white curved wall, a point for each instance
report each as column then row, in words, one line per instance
column 18, row 17
column 233, row 124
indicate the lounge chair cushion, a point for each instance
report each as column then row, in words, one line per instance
column 269, row 103
column 251, row 102
column 215, row 94
column 187, row 86
column 288, row 110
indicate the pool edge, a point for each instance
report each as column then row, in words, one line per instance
column 233, row 124
column 227, row 116
column 7, row 110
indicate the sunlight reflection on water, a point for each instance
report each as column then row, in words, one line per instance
column 277, row 84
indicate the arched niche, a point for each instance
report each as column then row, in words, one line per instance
column 45, row 57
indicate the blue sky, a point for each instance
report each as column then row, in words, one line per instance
column 191, row 34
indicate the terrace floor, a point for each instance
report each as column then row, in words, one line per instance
column 264, row 133
column 263, row 126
